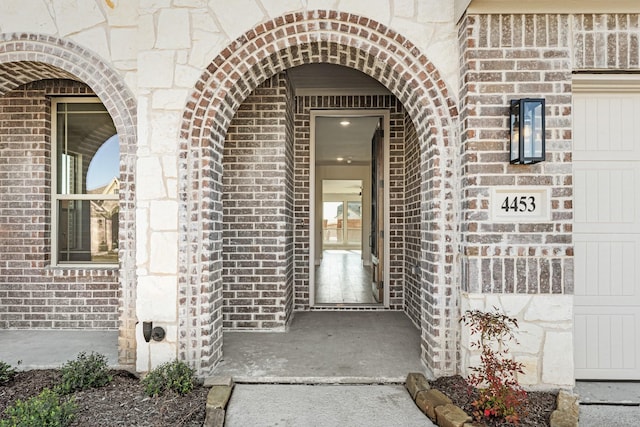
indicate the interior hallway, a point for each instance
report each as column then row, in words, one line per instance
column 342, row 279
column 326, row 347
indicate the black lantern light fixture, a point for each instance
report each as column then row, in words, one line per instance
column 527, row 131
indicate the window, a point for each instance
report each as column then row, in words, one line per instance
column 334, row 219
column 84, row 198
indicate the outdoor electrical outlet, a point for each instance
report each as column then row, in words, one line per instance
column 158, row 333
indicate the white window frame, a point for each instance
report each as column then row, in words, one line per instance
column 56, row 197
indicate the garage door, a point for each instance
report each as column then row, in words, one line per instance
column 606, row 160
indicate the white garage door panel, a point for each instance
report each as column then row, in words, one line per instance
column 606, row 197
column 605, row 131
column 606, row 165
column 606, row 269
column 606, row 342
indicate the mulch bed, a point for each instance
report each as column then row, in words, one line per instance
column 120, row 403
column 540, row 405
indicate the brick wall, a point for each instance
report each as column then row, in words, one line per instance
column 290, row 195
column 506, row 57
column 33, row 294
column 258, row 154
column 606, row 42
column 412, row 288
column 257, row 216
column 397, row 205
column 304, row 105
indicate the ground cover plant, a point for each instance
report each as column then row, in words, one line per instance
column 174, row 376
column 7, row 373
column 47, row 409
column 85, row 372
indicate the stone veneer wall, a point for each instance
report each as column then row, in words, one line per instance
column 544, row 336
column 191, row 68
column 32, row 293
column 304, row 105
column 412, row 216
column 257, row 211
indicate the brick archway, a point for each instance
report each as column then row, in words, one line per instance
column 25, row 58
column 274, row 46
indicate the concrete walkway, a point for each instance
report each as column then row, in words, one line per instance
column 38, row 349
column 609, row 403
column 263, row 405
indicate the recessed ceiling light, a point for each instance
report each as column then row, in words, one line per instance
column 345, row 122
column 339, row 159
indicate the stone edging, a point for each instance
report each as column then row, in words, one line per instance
column 441, row 410
column 217, row 400
column 433, row 403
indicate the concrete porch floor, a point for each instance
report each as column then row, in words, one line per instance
column 39, row 349
column 326, row 347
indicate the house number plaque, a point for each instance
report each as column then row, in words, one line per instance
column 520, row 204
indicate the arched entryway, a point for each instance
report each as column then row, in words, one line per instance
column 269, row 48
column 59, row 67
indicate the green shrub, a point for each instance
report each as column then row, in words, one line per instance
column 7, row 373
column 176, row 376
column 47, row 409
column 85, row 372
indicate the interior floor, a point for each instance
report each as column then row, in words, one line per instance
column 326, row 346
column 342, row 279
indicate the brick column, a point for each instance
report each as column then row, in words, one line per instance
column 526, row 269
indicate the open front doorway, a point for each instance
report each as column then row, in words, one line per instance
column 343, row 276
column 348, row 211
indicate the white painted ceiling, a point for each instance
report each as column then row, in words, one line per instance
column 332, row 139
column 352, row 142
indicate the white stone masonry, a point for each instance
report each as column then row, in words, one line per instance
column 544, row 336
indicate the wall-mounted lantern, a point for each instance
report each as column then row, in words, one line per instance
column 527, row 131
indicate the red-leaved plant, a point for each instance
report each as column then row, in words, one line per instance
column 496, row 378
